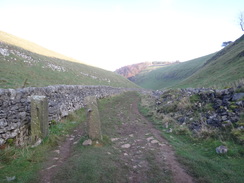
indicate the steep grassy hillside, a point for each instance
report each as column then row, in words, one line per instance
column 26, row 64
column 171, row 75
column 225, row 67
column 219, row 70
column 32, row 47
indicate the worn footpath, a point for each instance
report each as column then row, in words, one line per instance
column 142, row 154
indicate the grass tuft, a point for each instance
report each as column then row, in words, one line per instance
column 197, row 150
column 25, row 162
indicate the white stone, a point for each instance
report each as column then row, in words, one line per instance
column 37, row 143
column 87, row 142
column 37, row 97
column 170, row 130
column 2, row 141
column 161, row 144
column 4, row 52
column 126, row 146
column 51, row 167
column 9, row 179
column 221, row 149
column 57, row 151
column 12, row 94
column 154, row 141
column 150, row 138
column 114, row 139
column 166, row 125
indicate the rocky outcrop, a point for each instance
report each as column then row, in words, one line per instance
column 132, row 70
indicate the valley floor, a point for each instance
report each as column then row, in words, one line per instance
column 133, row 150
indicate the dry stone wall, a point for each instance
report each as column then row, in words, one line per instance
column 200, row 108
column 15, row 106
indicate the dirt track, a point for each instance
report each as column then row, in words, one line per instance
column 143, row 150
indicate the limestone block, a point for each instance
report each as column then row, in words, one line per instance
column 93, row 118
column 221, row 149
column 2, row 141
column 12, row 94
column 39, row 118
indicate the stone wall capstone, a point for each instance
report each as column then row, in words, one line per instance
column 15, row 106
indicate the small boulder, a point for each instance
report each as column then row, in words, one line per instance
column 154, row 141
column 126, row 146
column 181, row 120
column 169, row 130
column 9, row 179
column 150, row 138
column 87, row 142
column 114, row 139
column 166, row 125
column 38, row 142
column 237, row 96
column 221, row 149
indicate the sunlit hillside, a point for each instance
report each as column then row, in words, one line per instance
column 25, row 64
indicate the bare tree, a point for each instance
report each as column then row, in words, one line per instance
column 241, row 19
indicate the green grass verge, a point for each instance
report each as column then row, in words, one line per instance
column 92, row 164
column 204, row 163
column 24, row 163
column 200, row 158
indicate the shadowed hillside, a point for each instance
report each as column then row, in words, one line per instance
column 170, row 75
column 225, row 67
column 217, row 69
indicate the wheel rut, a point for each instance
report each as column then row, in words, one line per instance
column 143, row 151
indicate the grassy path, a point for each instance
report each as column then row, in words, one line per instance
column 132, row 151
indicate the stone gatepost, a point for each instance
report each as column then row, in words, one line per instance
column 39, row 118
column 93, row 118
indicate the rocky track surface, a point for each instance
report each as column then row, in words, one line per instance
column 142, row 151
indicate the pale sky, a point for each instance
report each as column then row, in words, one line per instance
column 113, row 33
